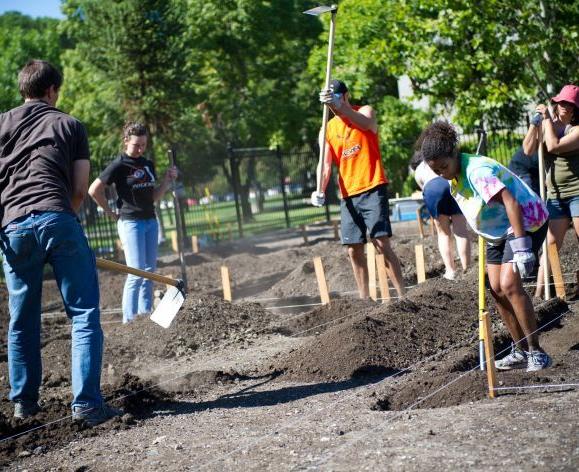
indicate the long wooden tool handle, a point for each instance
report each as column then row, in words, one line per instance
column 326, row 112
column 546, row 268
column 115, row 266
column 482, row 304
column 178, row 222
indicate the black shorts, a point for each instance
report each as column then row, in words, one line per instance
column 503, row 253
column 438, row 199
column 367, row 212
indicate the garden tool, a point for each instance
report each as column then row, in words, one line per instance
column 317, row 12
column 170, row 303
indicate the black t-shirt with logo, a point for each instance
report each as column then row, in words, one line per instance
column 135, row 182
column 38, row 144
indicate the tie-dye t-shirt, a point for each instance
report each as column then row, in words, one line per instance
column 480, row 180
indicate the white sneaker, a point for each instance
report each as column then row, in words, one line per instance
column 517, row 359
column 538, row 360
column 449, row 275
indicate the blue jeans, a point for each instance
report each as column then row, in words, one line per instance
column 27, row 244
column 563, row 207
column 140, row 240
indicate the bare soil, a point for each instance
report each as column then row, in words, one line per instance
column 258, row 385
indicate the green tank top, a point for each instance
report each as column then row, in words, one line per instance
column 562, row 173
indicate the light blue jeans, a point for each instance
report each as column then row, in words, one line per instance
column 27, row 244
column 140, row 240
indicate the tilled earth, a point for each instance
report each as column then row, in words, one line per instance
column 261, row 385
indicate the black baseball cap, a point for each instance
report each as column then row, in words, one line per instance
column 338, row 86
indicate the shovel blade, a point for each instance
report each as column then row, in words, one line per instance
column 168, row 307
column 320, row 10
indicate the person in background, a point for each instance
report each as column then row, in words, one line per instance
column 526, row 168
column 561, row 142
column 513, row 220
column 135, row 181
column 352, row 144
column 447, row 216
column 44, row 171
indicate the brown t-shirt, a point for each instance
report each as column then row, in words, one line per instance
column 38, row 144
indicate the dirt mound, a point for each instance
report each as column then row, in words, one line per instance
column 454, row 378
column 390, row 336
column 203, row 321
column 301, row 281
column 54, row 424
column 323, row 318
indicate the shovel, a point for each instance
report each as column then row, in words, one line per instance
column 172, row 300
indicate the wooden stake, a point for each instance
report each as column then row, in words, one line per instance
column 226, row 284
column 382, row 278
column 195, row 244
column 336, row 230
column 482, row 304
column 304, row 233
column 489, row 354
column 322, row 284
column 556, row 270
column 371, row 262
column 420, row 270
column 174, row 241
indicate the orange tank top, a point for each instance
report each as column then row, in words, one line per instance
column 356, row 153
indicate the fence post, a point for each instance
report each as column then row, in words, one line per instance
column 235, row 177
column 282, row 183
column 481, row 149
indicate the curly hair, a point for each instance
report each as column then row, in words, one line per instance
column 134, row 128
column 416, row 159
column 440, row 139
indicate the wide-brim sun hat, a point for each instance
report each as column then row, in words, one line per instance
column 569, row 93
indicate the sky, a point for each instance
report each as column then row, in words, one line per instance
column 33, row 7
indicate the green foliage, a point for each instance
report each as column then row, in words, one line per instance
column 128, row 64
column 23, row 38
column 250, row 66
column 400, row 126
column 473, row 60
column 202, row 74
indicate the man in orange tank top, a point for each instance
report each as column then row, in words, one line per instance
column 352, row 144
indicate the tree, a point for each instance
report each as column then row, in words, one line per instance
column 128, row 64
column 250, row 68
column 473, row 60
column 23, row 38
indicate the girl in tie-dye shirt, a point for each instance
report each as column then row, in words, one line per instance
column 513, row 220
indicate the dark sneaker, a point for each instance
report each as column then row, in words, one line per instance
column 517, row 359
column 93, row 416
column 25, row 409
column 538, row 361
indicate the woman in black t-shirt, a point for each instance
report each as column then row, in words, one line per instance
column 137, row 188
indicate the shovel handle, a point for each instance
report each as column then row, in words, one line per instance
column 115, row 266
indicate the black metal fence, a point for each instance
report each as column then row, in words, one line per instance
column 268, row 189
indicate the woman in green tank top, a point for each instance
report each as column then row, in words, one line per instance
column 561, row 140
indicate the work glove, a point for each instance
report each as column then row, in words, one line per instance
column 318, row 199
column 537, row 119
column 327, row 97
column 523, row 257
